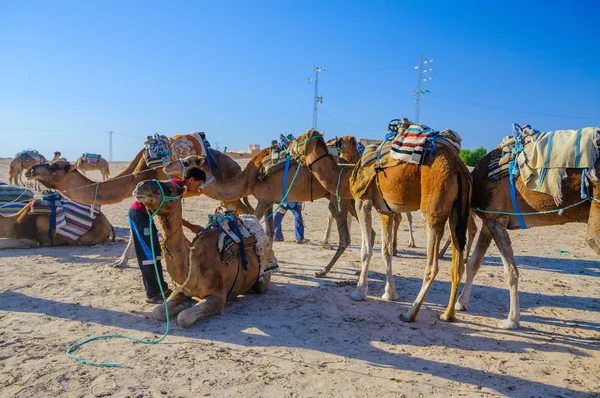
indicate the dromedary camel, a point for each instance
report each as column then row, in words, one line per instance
column 440, row 187
column 347, row 150
column 198, row 271
column 57, row 157
column 24, row 230
column 65, row 178
column 270, row 190
column 84, row 165
column 20, row 164
column 494, row 196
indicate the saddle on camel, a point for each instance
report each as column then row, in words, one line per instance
column 230, row 257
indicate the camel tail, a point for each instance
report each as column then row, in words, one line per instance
column 462, row 207
column 247, row 204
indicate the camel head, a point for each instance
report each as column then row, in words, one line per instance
column 152, row 192
column 309, row 147
column 177, row 167
column 50, row 172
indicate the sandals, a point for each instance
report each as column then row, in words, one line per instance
column 158, row 298
column 302, row 241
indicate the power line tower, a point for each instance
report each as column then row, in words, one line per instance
column 422, row 68
column 110, row 145
column 317, row 99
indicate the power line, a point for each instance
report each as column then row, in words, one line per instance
column 369, row 70
column 347, row 124
column 363, row 83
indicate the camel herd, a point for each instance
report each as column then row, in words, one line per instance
column 441, row 187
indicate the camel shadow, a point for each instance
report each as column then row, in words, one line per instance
column 329, row 329
column 569, row 266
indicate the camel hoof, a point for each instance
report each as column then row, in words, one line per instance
column 183, row 322
column 159, row 313
column 411, row 244
column 395, row 253
column 447, row 318
column 321, row 274
column 117, row 264
column 441, row 255
column 509, row 325
column 406, row 318
column 358, row 296
column 390, row 296
column 460, row 307
column 327, row 246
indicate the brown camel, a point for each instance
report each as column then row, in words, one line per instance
column 440, row 187
column 494, row 196
column 20, row 164
column 84, row 165
column 346, row 149
column 199, row 271
column 24, row 230
column 57, row 157
column 269, row 191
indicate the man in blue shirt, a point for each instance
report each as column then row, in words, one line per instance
column 296, row 209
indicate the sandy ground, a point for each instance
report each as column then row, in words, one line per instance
column 305, row 337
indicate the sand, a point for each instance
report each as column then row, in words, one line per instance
column 305, row 337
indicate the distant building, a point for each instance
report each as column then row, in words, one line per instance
column 243, row 153
column 369, row 141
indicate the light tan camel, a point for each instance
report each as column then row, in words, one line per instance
column 347, row 150
column 494, row 196
column 24, row 230
column 20, row 164
column 83, row 165
column 198, row 271
column 57, row 157
column 440, row 187
column 270, row 190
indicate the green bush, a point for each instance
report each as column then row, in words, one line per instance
column 470, row 158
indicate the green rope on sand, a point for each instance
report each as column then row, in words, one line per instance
column 120, row 336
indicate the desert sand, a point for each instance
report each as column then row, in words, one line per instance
column 305, row 337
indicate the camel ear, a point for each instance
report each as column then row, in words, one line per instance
column 322, row 134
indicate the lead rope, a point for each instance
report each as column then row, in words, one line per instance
column 120, row 336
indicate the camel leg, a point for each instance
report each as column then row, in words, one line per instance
column 208, row 307
column 411, row 240
column 265, row 208
column 341, row 219
column 511, row 274
column 435, row 231
column 397, row 219
column 176, row 302
column 592, row 235
column 325, row 244
column 389, row 223
column 363, row 211
column 6, row 243
column 128, row 253
column 444, row 249
column 473, row 265
column 262, row 285
column 457, row 268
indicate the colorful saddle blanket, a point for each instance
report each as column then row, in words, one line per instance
column 91, row 158
column 161, row 149
column 277, row 157
column 13, row 198
column 410, row 144
column 31, row 153
column 71, row 219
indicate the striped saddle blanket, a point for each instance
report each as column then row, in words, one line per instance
column 91, row 158
column 411, row 145
column 13, row 198
column 72, row 219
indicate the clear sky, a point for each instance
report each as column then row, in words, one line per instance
column 237, row 70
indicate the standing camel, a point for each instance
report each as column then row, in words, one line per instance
column 491, row 197
column 346, row 149
column 22, row 163
column 83, row 164
column 269, row 190
column 199, row 271
column 440, row 187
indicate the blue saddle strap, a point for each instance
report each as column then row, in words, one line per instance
column 145, row 247
column 513, row 193
column 286, row 170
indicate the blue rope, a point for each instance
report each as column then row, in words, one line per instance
column 585, row 190
column 391, row 134
column 286, row 170
column 513, row 170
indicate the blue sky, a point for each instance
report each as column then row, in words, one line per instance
column 72, row 70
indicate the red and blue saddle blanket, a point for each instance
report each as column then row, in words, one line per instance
column 412, row 143
column 91, row 158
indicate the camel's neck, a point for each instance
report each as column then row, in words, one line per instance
column 327, row 171
column 133, row 165
column 233, row 188
column 176, row 251
column 80, row 188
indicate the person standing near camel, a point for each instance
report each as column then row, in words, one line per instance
column 296, row 209
column 144, row 239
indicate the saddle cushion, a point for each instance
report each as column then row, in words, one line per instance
column 13, row 199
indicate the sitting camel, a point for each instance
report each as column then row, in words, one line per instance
column 84, row 165
column 346, row 149
column 199, row 270
column 440, row 187
column 491, row 198
column 24, row 230
column 20, row 164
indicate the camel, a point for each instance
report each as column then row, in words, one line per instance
column 440, row 187
column 65, row 178
column 20, row 164
column 83, row 165
column 24, row 230
column 57, row 157
column 269, row 191
column 347, row 150
column 198, row 270
column 494, row 196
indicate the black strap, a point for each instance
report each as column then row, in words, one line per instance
column 319, row 158
column 377, row 170
column 236, row 278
